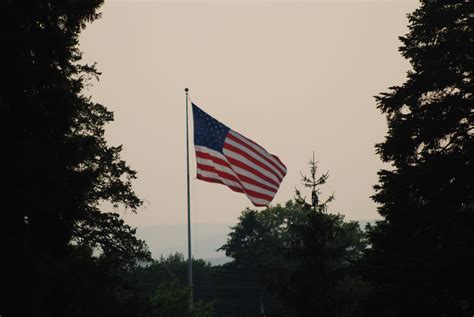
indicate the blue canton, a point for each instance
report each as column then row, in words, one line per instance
column 208, row 131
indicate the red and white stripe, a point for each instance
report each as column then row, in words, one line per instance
column 244, row 167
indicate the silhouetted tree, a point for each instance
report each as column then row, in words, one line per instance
column 57, row 165
column 301, row 253
column 421, row 259
column 164, row 281
column 172, row 300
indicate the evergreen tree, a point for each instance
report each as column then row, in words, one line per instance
column 301, row 253
column 323, row 253
column 57, row 165
column 421, row 261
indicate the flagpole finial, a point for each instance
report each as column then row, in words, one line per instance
column 186, row 90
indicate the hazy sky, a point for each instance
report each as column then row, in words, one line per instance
column 295, row 77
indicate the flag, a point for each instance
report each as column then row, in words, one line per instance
column 227, row 157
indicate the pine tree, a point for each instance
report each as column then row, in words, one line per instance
column 301, row 253
column 322, row 256
column 421, row 261
column 57, row 165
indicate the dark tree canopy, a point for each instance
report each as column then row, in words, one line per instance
column 56, row 162
column 301, row 253
column 422, row 257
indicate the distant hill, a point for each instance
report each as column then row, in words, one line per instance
column 170, row 238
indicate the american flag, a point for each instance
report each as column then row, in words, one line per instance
column 227, row 157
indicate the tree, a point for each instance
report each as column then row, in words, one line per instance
column 301, row 253
column 172, row 300
column 324, row 253
column 57, row 164
column 164, row 282
column 421, row 258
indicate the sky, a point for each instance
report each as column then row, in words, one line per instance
column 294, row 76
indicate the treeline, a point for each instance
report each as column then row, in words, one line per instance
column 64, row 254
column 291, row 260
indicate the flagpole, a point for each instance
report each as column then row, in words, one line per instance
column 190, row 263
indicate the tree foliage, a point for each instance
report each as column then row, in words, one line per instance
column 57, row 164
column 302, row 254
column 163, row 282
column 422, row 258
